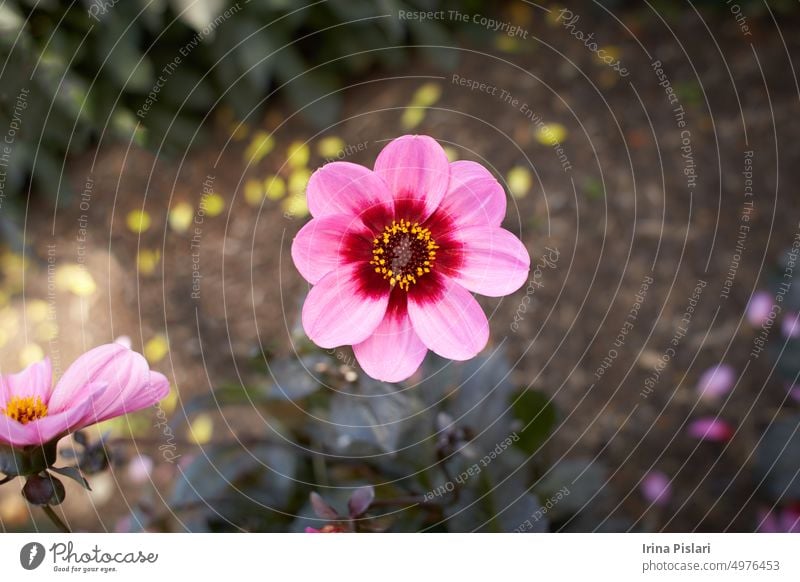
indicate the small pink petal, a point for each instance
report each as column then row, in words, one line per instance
column 759, row 308
column 139, row 469
column 716, row 382
column 131, row 385
column 451, row 324
column 36, row 380
column 790, row 325
column 495, row 262
column 312, row 530
column 345, row 188
column 338, row 311
column 794, row 392
column 321, row 244
column 415, row 167
column 474, row 197
column 656, row 488
column 393, row 352
column 710, row 429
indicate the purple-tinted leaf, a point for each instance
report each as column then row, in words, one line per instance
column 360, row 500
column 321, row 508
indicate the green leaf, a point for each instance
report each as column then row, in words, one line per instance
column 72, row 473
column 538, row 416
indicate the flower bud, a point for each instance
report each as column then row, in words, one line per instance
column 43, row 489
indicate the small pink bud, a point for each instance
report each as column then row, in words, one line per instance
column 790, row 326
column 710, row 429
column 759, row 308
column 656, row 488
column 716, row 382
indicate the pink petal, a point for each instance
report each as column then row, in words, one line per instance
column 393, row 352
column 759, row 308
column 790, row 326
column 656, row 488
column 45, row 429
column 339, row 311
column 131, row 385
column 345, row 188
column 35, row 380
column 716, row 382
column 323, row 244
column 495, row 262
column 451, row 323
column 474, row 197
column 710, row 429
column 790, row 520
column 415, row 167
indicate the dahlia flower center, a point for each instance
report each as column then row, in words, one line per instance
column 25, row 409
column 403, row 252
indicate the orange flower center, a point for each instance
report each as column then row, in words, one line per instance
column 25, row 409
column 403, row 252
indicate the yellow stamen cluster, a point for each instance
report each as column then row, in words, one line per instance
column 403, row 252
column 25, row 409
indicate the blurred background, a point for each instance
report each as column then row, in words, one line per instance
column 152, row 175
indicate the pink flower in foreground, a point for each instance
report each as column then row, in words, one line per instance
column 105, row 382
column 395, row 254
column 717, row 381
column 710, row 429
column 656, row 488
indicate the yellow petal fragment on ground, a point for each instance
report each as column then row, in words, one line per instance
column 30, row 354
column 36, row 310
column 147, row 261
column 138, row 221
column 261, row 144
column 253, row 192
column 275, row 187
column 427, row 94
column 212, row 204
column 296, row 205
column 412, row 117
column 451, row 153
column 519, row 181
column 330, row 146
column 551, row 134
column 47, row 331
column 201, row 430
column 75, row 279
column 297, row 155
column 298, row 181
column 181, row 216
column 156, row 349
column 170, row 402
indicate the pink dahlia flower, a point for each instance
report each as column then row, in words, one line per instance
column 105, row 382
column 396, row 252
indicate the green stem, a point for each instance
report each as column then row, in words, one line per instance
column 55, row 519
